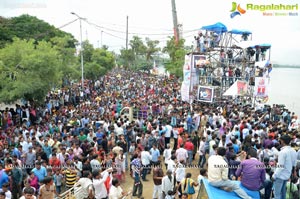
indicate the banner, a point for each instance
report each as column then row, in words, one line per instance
column 187, row 77
column 187, row 63
column 185, row 92
column 205, row 94
column 239, row 88
column 261, row 87
column 198, row 61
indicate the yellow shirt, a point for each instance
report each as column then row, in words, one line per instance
column 184, row 184
column 70, row 178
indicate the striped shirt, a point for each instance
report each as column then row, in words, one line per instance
column 70, row 178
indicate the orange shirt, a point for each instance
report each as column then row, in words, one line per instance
column 180, row 141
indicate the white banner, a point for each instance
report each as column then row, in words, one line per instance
column 185, row 92
column 261, row 87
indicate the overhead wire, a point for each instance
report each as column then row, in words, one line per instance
column 132, row 33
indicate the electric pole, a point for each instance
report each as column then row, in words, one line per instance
column 101, row 38
column 127, row 33
column 175, row 23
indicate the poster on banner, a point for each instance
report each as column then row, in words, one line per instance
column 241, row 88
column 187, row 63
column 198, row 61
column 205, row 94
column 261, row 87
column 187, row 77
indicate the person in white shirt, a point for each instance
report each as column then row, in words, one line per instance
column 28, row 193
column 181, row 154
column 116, row 192
column 61, row 156
column 95, row 164
column 86, row 184
column 203, row 175
column 78, row 165
column 172, row 164
column 168, row 183
column 218, row 174
column 6, row 192
column 180, row 174
column 167, row 155
column 201, row 152
column 98, row 183
column 146, row 160
column 91, row 135
column 169, row 129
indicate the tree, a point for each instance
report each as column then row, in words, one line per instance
column 96, row 61
column 137, row 46
column 29, row 27
column 139, row 55
column 28, row 70
column 151, row 48
column 67, row 60
column 88, row 50
column 176, row 53
column 103, row 58
column 102, row 61
column 126, row 57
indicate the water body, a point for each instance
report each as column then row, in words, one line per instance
column 284, row 88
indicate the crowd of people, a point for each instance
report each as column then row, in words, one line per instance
column 82, row 137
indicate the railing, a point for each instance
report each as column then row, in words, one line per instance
column 73, row 193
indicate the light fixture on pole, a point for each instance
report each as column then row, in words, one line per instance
column 81, row 49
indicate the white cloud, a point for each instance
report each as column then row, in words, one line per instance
column 156, row 17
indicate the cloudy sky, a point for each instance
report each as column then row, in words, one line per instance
column 153, row 19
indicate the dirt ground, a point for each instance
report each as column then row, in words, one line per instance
column 148, row 185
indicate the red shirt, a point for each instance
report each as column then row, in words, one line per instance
column 189, row 146
column 55, row 164
column 180, row 141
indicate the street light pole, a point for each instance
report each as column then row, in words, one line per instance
column 101, row 38
column 81, row 49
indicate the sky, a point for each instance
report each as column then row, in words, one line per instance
column 153, row 18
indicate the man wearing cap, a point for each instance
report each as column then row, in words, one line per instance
column 287, row 160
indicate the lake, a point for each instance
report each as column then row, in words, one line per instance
column 284, row 88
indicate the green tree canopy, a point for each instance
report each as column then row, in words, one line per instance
column 176, row 53
column 96, row 61
column 28, row 70
column 140, row 54
column 151, row 48
column 68, row 63
column 29, row 27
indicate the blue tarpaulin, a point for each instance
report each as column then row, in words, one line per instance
column 216, row 193
column 217, row 28
column 253, row 44
column 240, row 32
